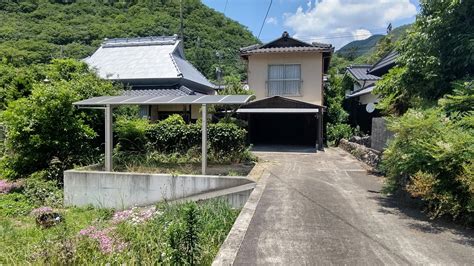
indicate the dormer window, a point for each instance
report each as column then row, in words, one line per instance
column 284, row 80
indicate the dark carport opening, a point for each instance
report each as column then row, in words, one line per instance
column 283, row 129
column 282, row 121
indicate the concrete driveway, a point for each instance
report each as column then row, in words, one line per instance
column 324, row 208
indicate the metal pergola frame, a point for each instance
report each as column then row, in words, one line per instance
column 107, row 103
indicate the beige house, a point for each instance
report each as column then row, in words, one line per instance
column 287, row 77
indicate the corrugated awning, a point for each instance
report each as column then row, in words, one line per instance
column 153, row 100
column 277, row 110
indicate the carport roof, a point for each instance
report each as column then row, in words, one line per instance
column 279, row 104
column 152, row 100
column 277, row 110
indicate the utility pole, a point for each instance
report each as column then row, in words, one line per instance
column 219, row 69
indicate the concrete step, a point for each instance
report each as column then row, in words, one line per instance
column 236, row 196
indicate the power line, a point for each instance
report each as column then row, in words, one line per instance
column 265, row 19
column 225, row 7
column 374, row 31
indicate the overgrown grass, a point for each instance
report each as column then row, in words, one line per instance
column 177, row 163
column 188, row 233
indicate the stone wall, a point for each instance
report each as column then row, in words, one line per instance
column 366, row 141
column 124, row 190
column 367, row 155
column 380, row 134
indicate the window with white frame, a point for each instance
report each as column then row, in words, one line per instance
column 284, row 80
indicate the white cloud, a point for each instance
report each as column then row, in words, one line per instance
column 272, row 21
column 361, row 34
column 341, row 21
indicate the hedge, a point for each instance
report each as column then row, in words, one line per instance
column 174, row 135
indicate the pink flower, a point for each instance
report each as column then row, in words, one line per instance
column 135, row 215
column 106, row 238
column 6, row 186
column 121, row 216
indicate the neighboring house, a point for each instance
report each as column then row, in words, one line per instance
column 287, row 77
column 362, row 83
column 153, row 66
column 361, row 99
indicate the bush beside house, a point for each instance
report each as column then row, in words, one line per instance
column 428, row 98
column 336, row 117
column 44, row 129
column 227, row 141
column 430, row 95
column 432, row 156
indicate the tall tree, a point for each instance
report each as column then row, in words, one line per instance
column 437, row 50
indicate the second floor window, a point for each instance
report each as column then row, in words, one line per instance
column 284, row 80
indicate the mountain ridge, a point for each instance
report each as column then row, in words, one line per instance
column 36, row 31
column 368, row 46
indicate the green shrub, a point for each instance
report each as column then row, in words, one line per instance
column 42, row 192
column 131, row 133
column 227, row 138
column 172, row 135
column 239, row 122
column 336, row 132
column 227, row 141
column 14, row 204
column 432, row 157
column 45, row 126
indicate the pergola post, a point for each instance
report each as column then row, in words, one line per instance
column 204, row 139
column 108, row 137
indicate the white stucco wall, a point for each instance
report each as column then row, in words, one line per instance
column 368, row 98
column 311, row 74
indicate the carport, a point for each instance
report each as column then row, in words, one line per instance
column 107, row 103
column 279, row 120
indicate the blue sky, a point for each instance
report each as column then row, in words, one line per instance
column 330, row 21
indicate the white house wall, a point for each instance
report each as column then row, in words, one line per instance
column 368, row 98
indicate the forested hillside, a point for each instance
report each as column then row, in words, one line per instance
column 373, row 48
column 359, row 47
column 36, row 31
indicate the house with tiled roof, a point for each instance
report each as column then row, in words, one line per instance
column 286, row 75
column 360, row 99
column 363, row 83
column 153, row 66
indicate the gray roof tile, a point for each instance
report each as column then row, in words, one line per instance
column 145, row 58
column 189, row 72
column 160, row 91
column 286, row 44
column 385, row 63
column 359, row 72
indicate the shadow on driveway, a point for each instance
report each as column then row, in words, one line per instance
column 411, row 210
column 284, row 148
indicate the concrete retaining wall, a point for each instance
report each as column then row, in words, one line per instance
column 380, row 135
column 124, row 190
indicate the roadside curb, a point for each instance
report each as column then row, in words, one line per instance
column 229, row 249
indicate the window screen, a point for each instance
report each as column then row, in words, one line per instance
column 284, row 79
